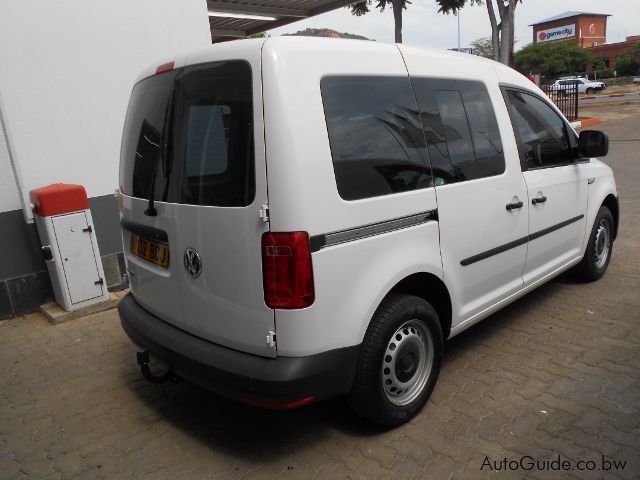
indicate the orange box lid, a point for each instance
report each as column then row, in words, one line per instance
column 59, row 198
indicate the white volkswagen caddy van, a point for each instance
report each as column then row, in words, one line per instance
column 304, row 218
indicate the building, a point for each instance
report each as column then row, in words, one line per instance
column 585, row 29
column 610, row 51
column 67, row 70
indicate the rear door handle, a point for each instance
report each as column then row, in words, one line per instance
column 538, row 200
column 514, row 205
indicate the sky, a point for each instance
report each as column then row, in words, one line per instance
column 424, row 26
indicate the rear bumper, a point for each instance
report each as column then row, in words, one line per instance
column 280, row 382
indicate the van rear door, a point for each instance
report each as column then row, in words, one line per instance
column 220, row 186
column 148, row 236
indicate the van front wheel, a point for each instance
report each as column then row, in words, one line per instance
column 598, row 254
column 399, row 362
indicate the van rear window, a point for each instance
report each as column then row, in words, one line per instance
column 213, row 154
column 143, row 137
column 191, row 133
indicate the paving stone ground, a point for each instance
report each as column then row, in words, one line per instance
column 555, row 374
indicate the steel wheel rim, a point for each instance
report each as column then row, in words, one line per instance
column 601, row 245
column 407, row 363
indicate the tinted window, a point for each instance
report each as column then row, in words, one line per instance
column 543, row 140
column 456, row 128
column 213, row 155
column 375, row 135
column 143, row 139
column 207, row 140
column 460, row 129
column 191, row 130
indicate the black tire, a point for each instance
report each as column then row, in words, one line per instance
column 589, row 91
column 593, row 265
column 368, row 396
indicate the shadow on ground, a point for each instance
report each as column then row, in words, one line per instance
column 253, row 434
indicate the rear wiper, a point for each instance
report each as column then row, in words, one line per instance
column 151, row 209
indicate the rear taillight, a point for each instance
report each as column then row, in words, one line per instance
column 286, row 270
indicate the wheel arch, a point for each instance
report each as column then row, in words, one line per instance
column 432, row 289
column 612, row 203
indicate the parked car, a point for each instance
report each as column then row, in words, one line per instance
column 304, row 218
column 584, row 85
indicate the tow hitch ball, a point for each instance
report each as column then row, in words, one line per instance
column 164, row 376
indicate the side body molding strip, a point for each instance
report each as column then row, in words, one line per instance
column 318, row 242
column 518, row 242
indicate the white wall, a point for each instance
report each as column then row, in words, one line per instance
column 9, row 198
column 66, row 71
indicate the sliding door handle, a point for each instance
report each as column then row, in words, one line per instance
column 538, row 200
column 514, row 205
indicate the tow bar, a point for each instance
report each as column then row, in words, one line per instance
column 143, row 361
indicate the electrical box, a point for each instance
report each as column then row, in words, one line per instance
column 69, row 245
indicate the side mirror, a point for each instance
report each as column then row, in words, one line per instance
column 593, row 143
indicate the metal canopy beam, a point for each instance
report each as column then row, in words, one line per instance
column 229, row 33
column 225, row 7
column 317, row 11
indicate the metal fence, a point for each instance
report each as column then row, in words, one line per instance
column 565, row 97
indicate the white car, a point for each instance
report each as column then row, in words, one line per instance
column 584, row 85
column 305, row 218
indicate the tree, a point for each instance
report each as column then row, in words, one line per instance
column 502, row 36
column 360, row 8
column 483, row 47
column 599, row 63
column 552, row 59
column 628, row 63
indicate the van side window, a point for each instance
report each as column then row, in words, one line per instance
column 375, row 136
column 542, row 135
column 213, row 154
column 460, row 128
column 456, row 127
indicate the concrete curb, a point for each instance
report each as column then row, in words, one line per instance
column 585, row 122
column 55, row 314
column 611, row 95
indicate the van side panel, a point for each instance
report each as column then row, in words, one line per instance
column 350, row 278
column 484, row 242
column 303, row 193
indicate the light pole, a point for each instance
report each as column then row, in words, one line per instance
column 458, row 15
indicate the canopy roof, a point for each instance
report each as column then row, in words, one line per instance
column 231, row 19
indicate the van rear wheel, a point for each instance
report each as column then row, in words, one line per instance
column 399, row 362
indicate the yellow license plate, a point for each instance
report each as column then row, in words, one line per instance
column 150, row 250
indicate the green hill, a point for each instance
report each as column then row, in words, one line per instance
column 325, row 32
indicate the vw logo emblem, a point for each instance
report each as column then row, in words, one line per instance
column 192, row 262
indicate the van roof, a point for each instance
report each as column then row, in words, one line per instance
column 293, row 43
